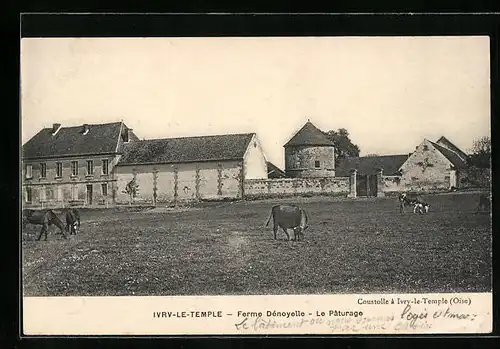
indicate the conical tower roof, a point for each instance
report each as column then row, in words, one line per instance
column 309, row 135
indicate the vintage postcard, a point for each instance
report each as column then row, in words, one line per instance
column 256, row 185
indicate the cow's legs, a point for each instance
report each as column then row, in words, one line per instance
column 287, row 235
column 40, row 235
column 43, row 231
column 275, row 230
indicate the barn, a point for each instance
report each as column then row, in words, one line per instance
column 435, row 165
column 173, row 170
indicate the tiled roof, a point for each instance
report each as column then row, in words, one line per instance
column 309, row 135
column 274, row 172
column 70, row 141
column 367, row 165
column 456, row 161
column 186, row 149
column 443, row 141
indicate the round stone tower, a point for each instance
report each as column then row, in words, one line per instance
column 309, row 153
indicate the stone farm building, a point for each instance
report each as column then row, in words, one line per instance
column 73, row 165
column 191, row 168
column 433, row 166
column 94, row 164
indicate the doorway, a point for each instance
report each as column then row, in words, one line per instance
column 89, row 194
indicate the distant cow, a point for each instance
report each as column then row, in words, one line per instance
column 484, row 203
column 289, row 217
column 420, row 207
column 72, row 220
column 418, row 204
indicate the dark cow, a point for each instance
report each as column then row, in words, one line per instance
column 418, row 204
column 72, row 220
column 289, row 217
column 484, row 204
column 45, row 218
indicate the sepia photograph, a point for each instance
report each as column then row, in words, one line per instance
column 256, row 166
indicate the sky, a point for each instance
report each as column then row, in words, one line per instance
column 388, row 92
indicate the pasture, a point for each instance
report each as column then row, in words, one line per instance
column 351, row 246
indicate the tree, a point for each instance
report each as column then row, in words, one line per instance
column 132, row 189
column 481, row 152
column 343, row 145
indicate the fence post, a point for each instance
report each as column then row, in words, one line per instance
column 352, row 184
column 380, row 183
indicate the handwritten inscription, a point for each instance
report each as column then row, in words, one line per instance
column 414, row 317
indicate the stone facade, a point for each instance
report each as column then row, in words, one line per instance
column 59, row 186
column 309, row 154
column 191, row 181
column 171, row 183
column 309, row 161
column 428, row 169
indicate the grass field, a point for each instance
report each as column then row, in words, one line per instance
column 351, row 246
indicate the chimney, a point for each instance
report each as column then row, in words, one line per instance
column 55, row 128
column 125, row 135
column 85, row 129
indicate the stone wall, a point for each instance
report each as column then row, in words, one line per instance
column 171, row 183
column 265, row 188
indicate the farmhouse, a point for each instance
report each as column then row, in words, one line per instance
column 73, row 165
column 190, row 168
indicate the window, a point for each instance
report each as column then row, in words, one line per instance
column 105, row 168
column 125, row 135
column 43, row 170
column 316, row 164
column 58, row 169
column 29, row 171
column 90, row 167
column 28, row 194
column 74, row 168
column 104, row 188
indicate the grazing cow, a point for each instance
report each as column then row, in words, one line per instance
column 289, row 217
column 412, row 200
column 45, row 218
column 484, row 203
column 420, row 207
column 72, row 221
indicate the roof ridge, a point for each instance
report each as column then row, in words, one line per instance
column 191, row 137
column 79, row 125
